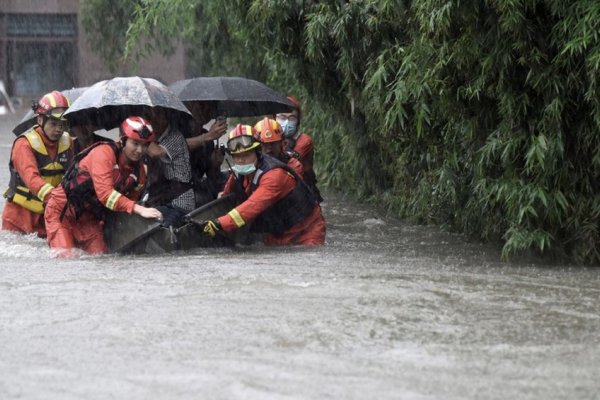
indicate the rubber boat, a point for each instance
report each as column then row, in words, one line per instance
column 132, row 234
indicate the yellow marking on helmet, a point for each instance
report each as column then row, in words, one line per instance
column 52, row 100
column 237, row 218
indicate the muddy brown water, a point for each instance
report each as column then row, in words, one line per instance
column 384, row 310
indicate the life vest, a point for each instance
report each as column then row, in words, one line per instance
column 79, row 187
column 287, row 212
column 51, row 171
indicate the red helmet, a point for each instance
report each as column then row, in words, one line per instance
column 268, row 131
column 295, row 102
column 136, row 128
column 242, row 138
column 52, row 105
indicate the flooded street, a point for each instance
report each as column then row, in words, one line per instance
column 385, row 310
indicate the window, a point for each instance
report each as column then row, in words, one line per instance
column 41, row 52
column 41, row 25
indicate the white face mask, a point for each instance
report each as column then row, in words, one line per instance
column 289, row 128
column 243, row 169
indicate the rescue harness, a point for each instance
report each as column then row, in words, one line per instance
column 287, row 212
column 79, row 186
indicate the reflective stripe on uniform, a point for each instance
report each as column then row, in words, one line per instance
column 112, row 200
column 237, row 218
column 44, row 190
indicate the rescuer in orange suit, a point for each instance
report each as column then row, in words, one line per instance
column 276, row 201
column 299, row 142
column 107, row 175
column 38, row 160
column 270, row 136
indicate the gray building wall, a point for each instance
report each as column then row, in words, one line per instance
column 87, row 67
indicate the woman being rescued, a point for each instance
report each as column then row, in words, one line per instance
column 107, row 175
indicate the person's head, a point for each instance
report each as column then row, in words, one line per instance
column 244, row 148
column 135, row 134
column 49, row 112
column 202, row 111
column 290, row 121
column 270, row 136
column 83, row 132
column 159, row 119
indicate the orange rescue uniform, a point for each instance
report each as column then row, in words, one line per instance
column 87, row 231
column 274, row 185
column 297, row 166
column 14, row 217
column 305, row 148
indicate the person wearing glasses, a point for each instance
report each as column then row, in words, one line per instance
column 38, row 160
column 301, row 143
column 274, row 199
column 105, row 176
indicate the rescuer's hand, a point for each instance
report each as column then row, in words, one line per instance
column 211, row 228
column 147, row 212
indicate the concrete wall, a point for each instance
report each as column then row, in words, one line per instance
column 165, row 69
column 40, row 6
column 90, row 67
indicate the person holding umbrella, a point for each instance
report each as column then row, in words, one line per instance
column 219, row 97
column 82, row 131
column 106, row 176
column 276, row 201
column 38, row 160
column 205, row 157
column 84, row 135
column 300, row 142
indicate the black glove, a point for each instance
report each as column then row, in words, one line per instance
column 211, row 228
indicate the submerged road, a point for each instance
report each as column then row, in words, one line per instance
column 385, row 310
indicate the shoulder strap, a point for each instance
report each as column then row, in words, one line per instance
column 81, row 155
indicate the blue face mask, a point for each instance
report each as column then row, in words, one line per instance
column 289, row 128
column 244, row 169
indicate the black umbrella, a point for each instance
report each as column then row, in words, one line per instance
column 107, row 103
column 28, row 120
column 232, row 96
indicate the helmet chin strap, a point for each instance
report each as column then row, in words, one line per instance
column 44, row 120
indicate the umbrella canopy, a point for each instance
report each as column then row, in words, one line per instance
column 232, row 96
column 28, row 120
column 107, row 103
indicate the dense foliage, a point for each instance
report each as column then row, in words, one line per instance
column 482, row 116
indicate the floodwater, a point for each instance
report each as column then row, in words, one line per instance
column 384, row 311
